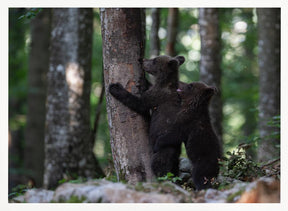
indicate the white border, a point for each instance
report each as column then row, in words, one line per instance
column 145, row 3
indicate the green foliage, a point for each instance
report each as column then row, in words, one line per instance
column 102, row 145
column 275, row 123
column 239, row 74
column 31, row 13
column 18, row 68
column 62, row 181
column 239, row 166
column 74, row 181
column 18, row 191
column 112, row 177
column 231, row 197
column 239, row 65
column 169, row 177
column 187, row 41
column 73, row 199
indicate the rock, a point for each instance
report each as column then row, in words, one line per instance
column 230, row 195
column 185, row 172
column 108, row 192
column 222, row 180
column 96, row 191
column 184, row 176
column 185, row 165
column 38, row 196
column 17, row 199
column 264, row 190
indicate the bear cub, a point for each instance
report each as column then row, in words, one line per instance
column 201, row 143
column 160, row 103
column 192, row 125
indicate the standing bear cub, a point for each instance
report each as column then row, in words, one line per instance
column 193, row 126
column 201, row 143
column 160, row 102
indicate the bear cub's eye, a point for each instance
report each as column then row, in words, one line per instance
column 190, row 86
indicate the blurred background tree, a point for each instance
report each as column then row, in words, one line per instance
column 154, row 38
column 172, row 30
column 269, row 30
column 239, row 76
column 210, row 63
column 18, row 69
column 40, row 28
column 68, row 145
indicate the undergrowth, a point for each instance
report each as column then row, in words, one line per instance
column 238, row 165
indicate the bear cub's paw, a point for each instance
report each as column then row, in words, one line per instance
column 115, row 89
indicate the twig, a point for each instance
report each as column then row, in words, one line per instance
column 270, row 163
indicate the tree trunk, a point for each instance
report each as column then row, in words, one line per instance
column 123, row 45
column 154, row 38
column 68, row 144
column 250, row 80
column 38, row 68
column 269, row 65
column 210, row 72
column 172, row 30
column 17, row 97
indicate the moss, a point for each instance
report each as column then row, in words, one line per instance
column 231, row 197
column 139, row 187
column 73, row 199
column 168, row 187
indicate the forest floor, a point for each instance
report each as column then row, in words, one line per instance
column 262, row 190
column 240, row 180
column 246, row 188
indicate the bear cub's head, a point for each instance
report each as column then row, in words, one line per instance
column 196, row 94
column 163, row 67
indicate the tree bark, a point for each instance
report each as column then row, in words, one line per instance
column 123, row 44
column 68, row 145
column 269, row 65
column 154, row 38
column 38, row 68
column 172, row 29
column 210, row 71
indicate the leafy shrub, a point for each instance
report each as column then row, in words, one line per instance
column 238, row 165
column 169, row 177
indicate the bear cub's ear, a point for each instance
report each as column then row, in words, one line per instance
column 176, row 61
column 180, row 59
column 211, row 90
column 173, row 63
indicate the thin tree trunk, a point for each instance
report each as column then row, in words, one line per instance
column 269, row 65
column 17, row 66
column 172, row 30
column 68, row 146
column 154, row 38
column 250, row 125
column 210, row 71
column 123, row 45
column 38, row 68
